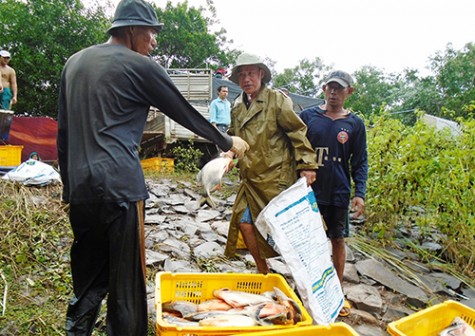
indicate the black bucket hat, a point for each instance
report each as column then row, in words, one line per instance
column 135, row 13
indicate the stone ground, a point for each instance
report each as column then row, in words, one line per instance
column 182, row 236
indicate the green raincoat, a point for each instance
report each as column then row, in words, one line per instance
column 279, row 148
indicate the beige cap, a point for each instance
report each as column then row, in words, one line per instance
column 249, row 59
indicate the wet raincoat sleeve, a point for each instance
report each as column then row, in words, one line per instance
column 296, row 131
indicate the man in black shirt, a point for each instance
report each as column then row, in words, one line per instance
column 106, row 92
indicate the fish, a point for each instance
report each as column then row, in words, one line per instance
column 211, row 313
column 210, row 178
column 270, row 295
column 278, row 319
column 238, row 299
column 179, row 321
column 269, row 313
column 235, row 308
column 295, row 313
column 213, row 304
column 458, row 327
column 228, row 320
column 272, row 308
column 178, row 306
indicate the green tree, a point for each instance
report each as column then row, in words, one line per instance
column 41, row 35
column 455, row 79
column 374, row 91
column 305, row 79
column 449, row 91
column 415, row 93
column 227, row 54
column 186, row 40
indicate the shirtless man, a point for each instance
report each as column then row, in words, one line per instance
column 8, row 96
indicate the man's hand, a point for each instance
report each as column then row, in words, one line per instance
column 357, row 206
column 239, row 146
column 310, row 175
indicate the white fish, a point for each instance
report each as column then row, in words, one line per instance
column 227, row 320
column 172, row 319
column 179, row 306
column 213, row 304
column 458, row 328
column 210, row 177
column 269, row 313
column 198, row 316
column 238, row 298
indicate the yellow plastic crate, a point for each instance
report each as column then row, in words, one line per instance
column 10, row 155
column 334, row 329
column 158, row 164
column 199, row 287
column 431, row 321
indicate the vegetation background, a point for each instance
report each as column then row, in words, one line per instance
column 412, row 166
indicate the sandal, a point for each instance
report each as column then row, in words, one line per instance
column 345, row 310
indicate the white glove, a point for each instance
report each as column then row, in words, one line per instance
column 239, row 146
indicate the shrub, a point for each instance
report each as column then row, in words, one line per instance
column 186, row 157
column 420, row 166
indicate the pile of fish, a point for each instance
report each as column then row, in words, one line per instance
column 232, row 308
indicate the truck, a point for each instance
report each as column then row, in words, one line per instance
column 199, row 87
column 163, row 133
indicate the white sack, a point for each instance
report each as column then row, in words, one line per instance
column 33, row 172
column 292, row 225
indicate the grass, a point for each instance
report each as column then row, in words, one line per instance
column 33, row 260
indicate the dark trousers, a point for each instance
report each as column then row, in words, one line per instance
column 108, row 258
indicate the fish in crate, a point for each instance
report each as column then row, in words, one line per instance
column 233, row 308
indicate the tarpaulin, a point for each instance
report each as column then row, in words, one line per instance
column 35, row 134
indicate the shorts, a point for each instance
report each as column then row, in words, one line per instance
column 246, row 216
column 337, row 221
column 5, row 98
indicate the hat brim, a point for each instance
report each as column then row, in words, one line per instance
column 339, row 81
column 128, row 23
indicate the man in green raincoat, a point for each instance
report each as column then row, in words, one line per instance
column 279, row 153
